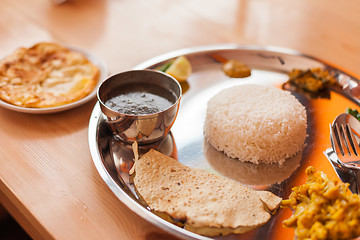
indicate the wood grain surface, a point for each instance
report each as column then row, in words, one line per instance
column 48, row 180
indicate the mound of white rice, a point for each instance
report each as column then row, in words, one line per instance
column 256, row 123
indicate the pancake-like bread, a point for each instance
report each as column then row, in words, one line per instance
column 203, row 202
column 46, row 75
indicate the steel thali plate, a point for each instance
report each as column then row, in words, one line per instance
column 270, row 65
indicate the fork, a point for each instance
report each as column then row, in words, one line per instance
column 344, row 173
column 345, row 145
column 343, row 140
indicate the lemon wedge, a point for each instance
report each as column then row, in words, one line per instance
column 180, row 69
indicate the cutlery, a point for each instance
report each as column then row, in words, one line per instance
column 345, row 174
column 344, row 136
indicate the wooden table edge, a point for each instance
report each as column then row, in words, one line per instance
column 21, row 214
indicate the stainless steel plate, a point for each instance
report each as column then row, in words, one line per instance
column 269, row 65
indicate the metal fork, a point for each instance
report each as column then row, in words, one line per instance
column 344, row 173
column 343, row 134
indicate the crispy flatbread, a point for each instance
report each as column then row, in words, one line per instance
column 205, row 203
column 46, row 75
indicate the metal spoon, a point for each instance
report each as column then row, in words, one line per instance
column 344, row 156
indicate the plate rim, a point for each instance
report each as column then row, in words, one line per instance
column 214, row 47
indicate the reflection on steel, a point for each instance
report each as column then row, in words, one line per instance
column 113, row 158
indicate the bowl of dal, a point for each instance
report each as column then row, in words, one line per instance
column 140, row 105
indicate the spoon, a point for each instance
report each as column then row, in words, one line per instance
column 343, row 158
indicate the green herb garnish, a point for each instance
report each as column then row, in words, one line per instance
column 165, row 66
column 353, row 112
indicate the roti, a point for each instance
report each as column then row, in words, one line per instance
column 200, row 201
column 46, row 75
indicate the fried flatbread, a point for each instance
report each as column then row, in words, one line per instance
column 46, row 75
column 205, row 203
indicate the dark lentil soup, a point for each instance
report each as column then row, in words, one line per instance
column 135, row 99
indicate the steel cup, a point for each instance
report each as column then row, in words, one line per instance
column 141, row 128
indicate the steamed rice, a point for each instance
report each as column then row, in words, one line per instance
column 256, row 123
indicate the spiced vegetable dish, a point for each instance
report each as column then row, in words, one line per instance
column 323, row 209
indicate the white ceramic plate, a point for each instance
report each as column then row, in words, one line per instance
column 103, row 74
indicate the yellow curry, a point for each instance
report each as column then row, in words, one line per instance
column 323, row 209
column 312, row 80
column 236, row 69
column 313, row 83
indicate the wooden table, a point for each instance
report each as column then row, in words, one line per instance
column 48, row 180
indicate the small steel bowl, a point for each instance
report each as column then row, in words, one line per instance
column 147, row 128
